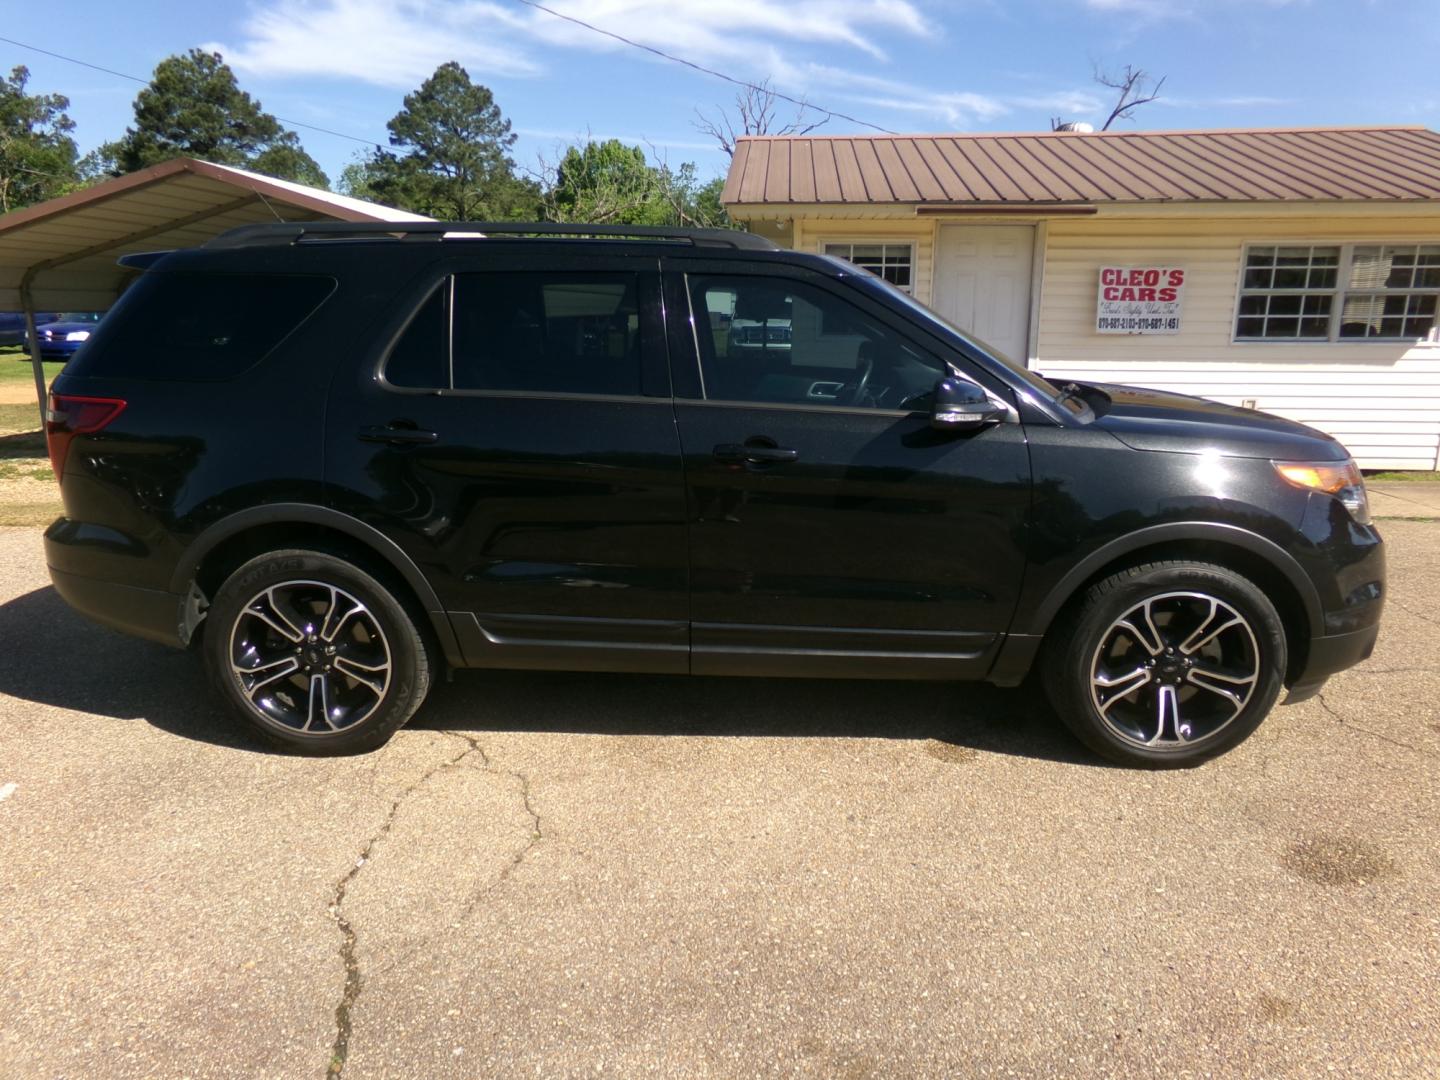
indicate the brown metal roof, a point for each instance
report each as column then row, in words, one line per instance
column 65, row 249
column 1067, row 167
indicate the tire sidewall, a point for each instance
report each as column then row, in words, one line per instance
column 1070, row 686
column 408, row 658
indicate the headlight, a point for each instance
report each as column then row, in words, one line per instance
column 1339, row 478
column 78, row 335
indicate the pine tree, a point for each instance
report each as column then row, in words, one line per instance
column 194, row 107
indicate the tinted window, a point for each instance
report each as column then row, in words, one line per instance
column 565, row 333
column 421, row 358
column 549, row 333
column 776, row 340
column 199, row 326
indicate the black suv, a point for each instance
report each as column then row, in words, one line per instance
column 337, row 457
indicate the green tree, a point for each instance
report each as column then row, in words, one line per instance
column 611, row 183
column 356, row 178
column 607, row 183
column 37, row 154
column 450, row 156
column 697, row 204
column 193, row 107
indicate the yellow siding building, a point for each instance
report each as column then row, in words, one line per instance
column 1310, row 257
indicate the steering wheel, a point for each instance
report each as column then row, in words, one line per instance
column 854, row 391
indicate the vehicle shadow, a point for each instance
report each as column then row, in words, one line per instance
column 55, row 657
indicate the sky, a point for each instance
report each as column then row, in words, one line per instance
column 901, row 65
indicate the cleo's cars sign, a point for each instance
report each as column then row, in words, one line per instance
column 1139, row 300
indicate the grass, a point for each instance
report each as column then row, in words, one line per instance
column 32, row 514
column 15, row 367
column 1404, row 477
column 23, row 460
column 20, row 434
column 26, row 469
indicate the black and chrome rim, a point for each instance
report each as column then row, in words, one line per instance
column 309, row 657
column 1174, row 670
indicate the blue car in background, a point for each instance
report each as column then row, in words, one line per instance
column 59, row 339
column 12, row 325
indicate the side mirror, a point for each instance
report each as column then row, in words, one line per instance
column 958, row 405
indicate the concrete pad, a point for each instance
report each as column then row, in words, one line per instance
column 622, row 876
column 1404, row 499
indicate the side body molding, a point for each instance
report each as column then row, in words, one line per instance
column 309, row 514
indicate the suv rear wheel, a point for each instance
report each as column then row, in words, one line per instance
column 1166, row 664
column 314, row 654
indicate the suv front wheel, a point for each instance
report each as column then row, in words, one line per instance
column 1166, row 664
column 314, row 654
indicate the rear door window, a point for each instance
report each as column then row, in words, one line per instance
column 570, row 333
column 199, row 326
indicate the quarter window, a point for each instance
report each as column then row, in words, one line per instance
column 197, row 326
column 1384, row 292
column 526, row 332
column 892, row 262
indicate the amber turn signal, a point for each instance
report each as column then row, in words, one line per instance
column 1339, row 478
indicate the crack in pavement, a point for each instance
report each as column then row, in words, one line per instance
column 340, row 1049
column 1368, row 731
column 1368, row 670
column 536, row 832
column 354, row 980
column 1410, row 611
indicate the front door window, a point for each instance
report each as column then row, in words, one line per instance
column 772, row 340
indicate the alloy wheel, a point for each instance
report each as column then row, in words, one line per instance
column 310, row 657
column 1174, row 670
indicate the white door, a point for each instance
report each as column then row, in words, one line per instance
column 982, row 283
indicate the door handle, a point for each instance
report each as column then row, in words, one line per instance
column 737, row 453
column 397, row 436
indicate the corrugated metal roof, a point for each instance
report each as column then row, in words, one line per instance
column 1063, row 167
column 71, row 243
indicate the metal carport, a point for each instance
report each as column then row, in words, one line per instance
column 60, row 255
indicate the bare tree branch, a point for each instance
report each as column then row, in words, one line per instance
column 755, row 108
column 1137, row 87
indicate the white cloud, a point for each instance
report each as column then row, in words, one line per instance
column 952, row 108
column 397, row 43
column 651, row 144
column 1238, row 101
column 393, row 43
column 1152, row 11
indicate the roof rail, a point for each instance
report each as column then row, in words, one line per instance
column 280, row 235
column 142, row 260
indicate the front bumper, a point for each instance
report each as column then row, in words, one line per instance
column 1329, row 654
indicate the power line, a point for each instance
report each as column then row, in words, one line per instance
column 701, row 68
column 539, row 7
column 146, row 82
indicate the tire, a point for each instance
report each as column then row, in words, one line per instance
column 1166, row 664
column 314, row 654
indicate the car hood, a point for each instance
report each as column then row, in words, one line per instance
column 1177, row 423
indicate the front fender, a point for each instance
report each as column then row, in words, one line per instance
column 1042, row 610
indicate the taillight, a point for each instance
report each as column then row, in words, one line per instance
column 69, row 415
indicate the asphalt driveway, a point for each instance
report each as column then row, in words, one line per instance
column 621, row 876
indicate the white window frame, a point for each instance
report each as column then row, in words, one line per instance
column 1338, row 293
column 852, row 242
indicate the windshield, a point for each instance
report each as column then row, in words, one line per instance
column 866, row 280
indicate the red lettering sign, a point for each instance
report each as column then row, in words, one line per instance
column 1139, row 299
